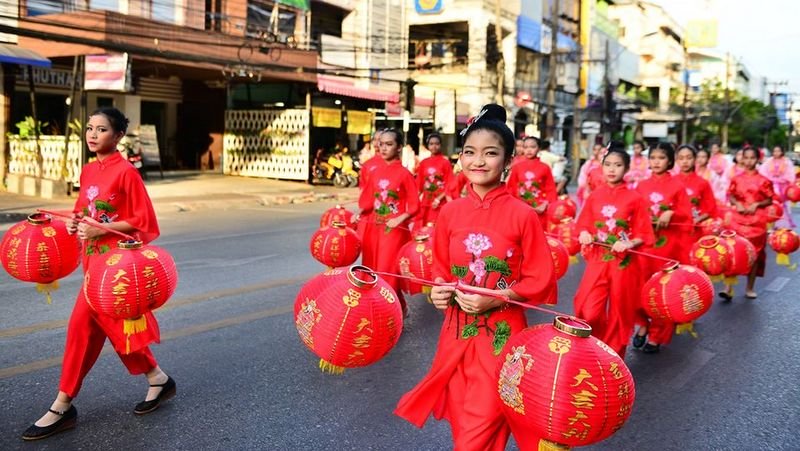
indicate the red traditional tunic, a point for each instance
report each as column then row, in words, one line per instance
column 433, row 177
column 391, row 192
column 368, row 167
column 583, row 179
column 457, row 185
column 111, row 190
column 700, row 196
column 532, row 181
column 640, row 170
column 749, row 188
column 609, row 293
column 664, row 193
column 494, row 242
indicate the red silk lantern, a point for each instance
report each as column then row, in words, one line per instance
column 792, row 193
column 336, row 214
column 560, row 256
column 129, row 281
column 348, row 317
column 40, row 250
column 678, row 293
column 562, row 208
column 416, row 260
column 743, row 256
column 334, row 246
column 711, row 254
column 774, row 211
column 563, row 385
column 566, row 233
column 426, row 230
column 783, row 242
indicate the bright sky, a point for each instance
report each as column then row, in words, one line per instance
column 765, row 34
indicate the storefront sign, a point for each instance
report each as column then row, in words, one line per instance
column 428, row 6
column 108, row 73
column 655, row 130
column 359, row 122
column 326, row 117
column 49, row 78
column 148, row 145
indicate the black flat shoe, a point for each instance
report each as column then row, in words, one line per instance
column 639, row 340
column 725, row 296
column 651, row 348
column 167, row 391
column 67, row 421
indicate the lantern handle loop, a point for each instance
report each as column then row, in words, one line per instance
column 81, row 220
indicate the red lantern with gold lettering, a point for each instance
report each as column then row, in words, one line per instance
column 336, row 214
column 677, row 293
column 773, row 211
column 792, row 193
column 560, row 209
column 743, row 255
column 711, row 254
column 129, row 281
column 334, row 246
column 348, row 317
column 561, row 386
column 711, row 226
column 40, row 250
column 416, row 260
column 560, row 256
column 566, row 233
column 783, row 242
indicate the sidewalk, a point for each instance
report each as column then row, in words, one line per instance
column 195, row 190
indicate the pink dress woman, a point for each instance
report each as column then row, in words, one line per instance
column 780, row 171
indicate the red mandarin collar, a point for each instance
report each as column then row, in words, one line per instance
column 665, row 175
column 110, row 160
column 614, row 189
column 491, row 196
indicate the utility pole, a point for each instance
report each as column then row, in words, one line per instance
column 501, row 65
column 576, row 112
column 551, row 81
column 727, row 119
column 607, row 95
column 685, row 120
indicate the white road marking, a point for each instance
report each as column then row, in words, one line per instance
column 777, row 284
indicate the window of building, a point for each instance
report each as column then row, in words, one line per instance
column 110, row 5
column 163, row 11
column 40, row 7
column 264, row 17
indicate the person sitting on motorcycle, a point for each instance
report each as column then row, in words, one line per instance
column 336, row 161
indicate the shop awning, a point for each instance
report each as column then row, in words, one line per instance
column 14, row 54
column 344, row 87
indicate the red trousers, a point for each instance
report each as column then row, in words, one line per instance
column 85, row 339
column 608, row 297
column 380, row 250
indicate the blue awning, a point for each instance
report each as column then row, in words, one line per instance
column 14, row 54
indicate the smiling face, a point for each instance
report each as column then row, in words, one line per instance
column 659, row 162
column 101, row 138
column 685, row 160
column 483, row 159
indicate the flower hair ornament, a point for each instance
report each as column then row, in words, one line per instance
column 473, row 120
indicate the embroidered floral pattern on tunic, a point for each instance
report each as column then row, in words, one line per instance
column 386, row 199
column 530, row 190
column 101, row 211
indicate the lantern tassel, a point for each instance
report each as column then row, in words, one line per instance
column 731, row 280
column 426, row 289
column 547, row 445
column 686, row 328
column 573, row 259
column 328, row 367
column 783, row 259
column 133, row 326
column 717, row 278
column 47, row 288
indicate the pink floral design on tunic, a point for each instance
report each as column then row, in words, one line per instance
column 608, row 211
column 478, row 268
column 476, row 243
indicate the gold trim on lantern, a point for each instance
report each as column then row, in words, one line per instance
column 422, row 238
column 670, row 266
column 708, row 242
column 338, row 224
column 727, row 233
column 129, row 244
column 572, row 326
column 360, row 283
column 39, row 218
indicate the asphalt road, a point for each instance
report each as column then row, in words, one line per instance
column 245, row 381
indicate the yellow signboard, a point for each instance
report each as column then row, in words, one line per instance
column 326, row 117
column 359, row 122
column 701, row 33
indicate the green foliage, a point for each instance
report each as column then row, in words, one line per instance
column 29, row 127
column 458, row 271
column 494, row 264
column 501, row 335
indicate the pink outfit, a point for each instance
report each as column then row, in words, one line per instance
column 780, row 171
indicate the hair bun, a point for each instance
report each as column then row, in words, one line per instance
column 493, row 112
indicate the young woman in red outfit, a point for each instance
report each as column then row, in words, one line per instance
column 387, row 202
column 591, row 174
column 701, row 197
column 671, row 215
column 531, row 180
column 608, row 294
column 491, row 240
column 749, row 194
column 112, row 193
column 640, row 166
column 433, row 178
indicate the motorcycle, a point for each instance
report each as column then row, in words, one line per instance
column 342, row 172
column 129, row 144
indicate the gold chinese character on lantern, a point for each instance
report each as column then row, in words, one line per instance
column 387, row 294
column 560, row 345
column 582, row 377
column 351, row 298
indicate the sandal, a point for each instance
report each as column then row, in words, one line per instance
column 168, row 390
